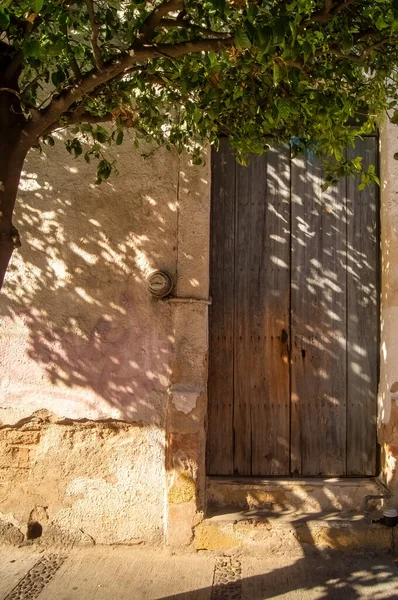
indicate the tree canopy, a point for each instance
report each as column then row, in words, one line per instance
column 313, row 72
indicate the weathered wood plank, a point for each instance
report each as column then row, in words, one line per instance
column 261, row 369
column 362, row 313
column 248, row 215
column 221, row 319
column 318, row 304
column 270, row 306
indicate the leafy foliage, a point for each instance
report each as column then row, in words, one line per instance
column 314, row 73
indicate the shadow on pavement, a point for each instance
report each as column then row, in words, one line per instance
column 330, row 575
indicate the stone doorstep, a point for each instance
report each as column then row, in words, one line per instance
column 312, row 495
column 262, row 531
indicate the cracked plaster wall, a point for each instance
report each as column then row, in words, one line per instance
column 89, row 360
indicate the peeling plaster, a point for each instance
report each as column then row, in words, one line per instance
column 185, row 400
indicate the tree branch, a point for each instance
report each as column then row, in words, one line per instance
column 10, row 91
column 335, row 51
column 168, row 23
column 329, row 12
column 192, row 47
column 362, row 57
column 75, row 119
column 61, row 103
column 73, row 62
column 94, row 34
column 88, row 118
column 342, row 6
column 153, row 20
column 328, row 6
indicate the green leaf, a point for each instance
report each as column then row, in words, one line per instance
column 307, row 51
column 104, row 169
column 347, row 41
column 252, row 12
column 101, row 135
column 238, row 92
column 32, row 48
column 265, row 38
column 276, row 74
column 279, row 29
column 58, row 77
column 37, row 5
column 119, row 137
column 283, row 107
column 242, row 40
column 74, row 147
column 381, row 23
column 79, row 51
column 221, row 6
column 293, row 32
column 197, row 160
column 4, row 19
column 197, row 114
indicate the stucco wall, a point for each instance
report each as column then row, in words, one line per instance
column 388, row 388
column 80, row 335
column 87, row 356
column 103, row 389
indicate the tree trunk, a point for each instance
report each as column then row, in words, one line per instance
column 10, row 171
column 13, row 149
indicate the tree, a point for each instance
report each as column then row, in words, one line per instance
column 181, row 72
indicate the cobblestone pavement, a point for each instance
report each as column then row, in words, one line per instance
column 227, row 579
column 34, row 581
column 126, row 573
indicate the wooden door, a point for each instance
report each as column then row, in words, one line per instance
column 294, row 320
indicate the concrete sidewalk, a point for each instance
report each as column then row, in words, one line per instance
column 125, row 573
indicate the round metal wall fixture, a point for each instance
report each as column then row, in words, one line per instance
column 160, row 284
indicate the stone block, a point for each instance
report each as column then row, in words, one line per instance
column 179, row 524
column 213, row 537
column 183, row 490
column 304, row 496
column 346, row 537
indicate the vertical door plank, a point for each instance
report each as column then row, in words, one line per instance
column 221, row 318
column 261, row 407
column 362, row 313
column 318, row 304
column 270, row 306
column 248, row 224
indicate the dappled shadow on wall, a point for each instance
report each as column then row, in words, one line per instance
column 78, row 310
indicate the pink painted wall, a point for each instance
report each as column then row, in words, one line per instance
column 79, row 333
